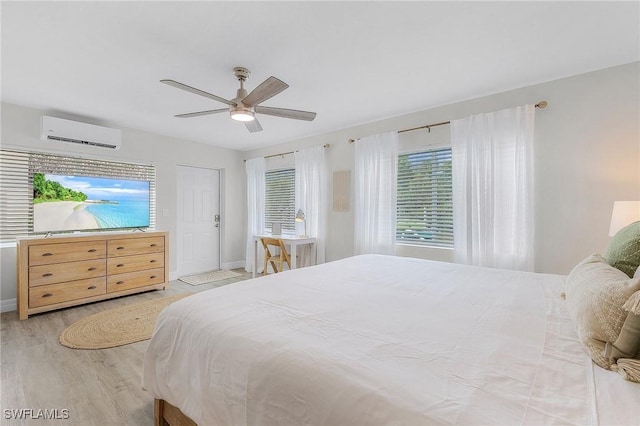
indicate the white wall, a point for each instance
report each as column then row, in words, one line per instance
column 21, row 129
column 587, row 155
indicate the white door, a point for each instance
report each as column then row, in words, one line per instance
column 198, row 223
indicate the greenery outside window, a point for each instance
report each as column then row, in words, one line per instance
column 280, row 198
column 425, row 199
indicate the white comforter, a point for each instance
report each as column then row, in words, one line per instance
column 382, row 340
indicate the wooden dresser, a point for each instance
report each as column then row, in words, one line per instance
column 62, row 271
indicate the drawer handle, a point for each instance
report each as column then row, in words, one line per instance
column 153, row 261
column 153, row 245
column 47, row 295
column 119, row 265
column 120, row 248
column 92, row 250
column 152, row 277
column 48, row 274
column 91, row 288
column 120, row 282
column 91, row 269
column 47, row 254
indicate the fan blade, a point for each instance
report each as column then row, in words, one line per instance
column 253, row 125
column 196, row 91
column 199, row 113
column 266, row 90
column 286, row 113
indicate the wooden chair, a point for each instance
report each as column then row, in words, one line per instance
column 279, row 256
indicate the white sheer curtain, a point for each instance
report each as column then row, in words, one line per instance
column 493, row 208
column 375, row 181
column 255, row 209
column 311, row 197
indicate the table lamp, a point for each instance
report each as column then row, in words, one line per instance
column 624, row 213
column 300, row 218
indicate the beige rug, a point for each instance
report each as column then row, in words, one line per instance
column 209, row 277
column 117, row 327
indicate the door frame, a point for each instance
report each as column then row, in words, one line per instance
column 220, row 204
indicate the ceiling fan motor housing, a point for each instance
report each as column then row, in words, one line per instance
column 241, row 112
column 240, row 95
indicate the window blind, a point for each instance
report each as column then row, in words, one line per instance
column 425, row 199
column 280, row 198
column 16, row 184
column 16, row 208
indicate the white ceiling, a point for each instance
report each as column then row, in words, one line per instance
column 351, row 63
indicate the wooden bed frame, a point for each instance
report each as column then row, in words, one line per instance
column 165, row 414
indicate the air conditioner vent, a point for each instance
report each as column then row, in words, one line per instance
column 98, row 144
column 60, row 130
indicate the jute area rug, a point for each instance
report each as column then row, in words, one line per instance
column 209, row 277
column 117, row 327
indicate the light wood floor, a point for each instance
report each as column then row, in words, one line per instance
column 97, row 387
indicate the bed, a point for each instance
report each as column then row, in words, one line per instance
column 376, row 339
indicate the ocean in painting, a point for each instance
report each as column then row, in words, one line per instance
column 124, row 214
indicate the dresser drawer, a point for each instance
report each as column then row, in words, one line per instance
column 131, row 280
column 140, row 262
column 71, row 271
column 132, row 246
column 64, row 292
column 66, row 252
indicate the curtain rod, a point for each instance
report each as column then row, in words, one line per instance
column 327, row 145
column 541, row 105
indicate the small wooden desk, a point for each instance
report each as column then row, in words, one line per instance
column 291, row 240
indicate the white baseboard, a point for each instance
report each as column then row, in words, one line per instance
column 8, row 305
column 234, row 265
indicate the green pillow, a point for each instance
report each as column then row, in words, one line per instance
column 623, row 251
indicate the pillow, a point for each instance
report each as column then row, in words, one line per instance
column 627, row 345
column 595, row 293
column 623, row 251
column 624, row 353
column 637, row 274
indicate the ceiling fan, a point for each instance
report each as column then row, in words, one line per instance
column 245, row 106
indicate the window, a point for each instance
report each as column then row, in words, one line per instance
column 425, row 199
column 16, row 184
column 280, row 198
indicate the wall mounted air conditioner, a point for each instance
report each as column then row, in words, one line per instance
column 60, row 130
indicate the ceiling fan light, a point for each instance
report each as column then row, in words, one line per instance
column 243, row 115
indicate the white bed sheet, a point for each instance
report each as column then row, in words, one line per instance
column 383, row 340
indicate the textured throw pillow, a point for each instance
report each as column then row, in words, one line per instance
column 627, row 345
column 596, row 293
column 623, row 251
column 624, row 353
